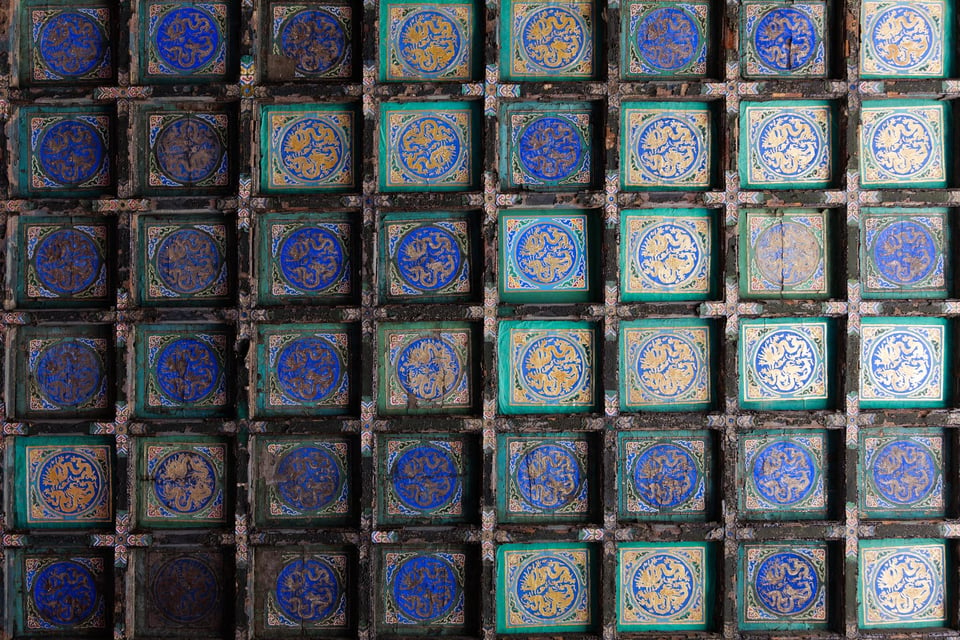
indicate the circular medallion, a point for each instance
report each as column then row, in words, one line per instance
column 315, row 40
column 902, row 144
column 185, row 590
column 667, row 366
column 669, row 148
column 312, row 258
column 547, row 587
column 71, row 152
column 904, row 472
column 69, row 373
column 787, row 253
column 553, row 38
column 901, row 363
column 665, row 476
column 313, row 149
column 188, row 150
column 663, row 585
column 187, row 370
column 308, row 478
column 425, row 587
column 67, row 261
column 188, row 261
column 425, row 478
column 669, row 255
column 309, row 369
column 790, row 145
column 429, row 148
column 786, row 583
column 429, row 368
column 71, row 484
column 428, row 258
column 185, row 482
column 547, row 253
column 549, row 477
column 785, row 362
column 187, row 38
column 429, row 42
column 905, row 584
column 65, row 593
column 905, row 252
column 551, row 149
column 668, row 39
column 784, row 472
column 72, row 44
column 785, row 39
column 308, row 590
column 554, row 368
column 903, row 37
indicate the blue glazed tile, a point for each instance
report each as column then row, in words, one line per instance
column 904, row 143
column 903, row 362
column 188, row 152
column 783, row 39
column 424, row 590
column 184, row 41
column 902, row 583
column 182, row 482
column 783, row 586
column 309, row 40
column 786, row 254
column 906, row 38
column 429, row 42
column 904, row 253
column 547, row 588
column 551, row 41
column 666, row 586
column 665, row 477
column 901, row 473
column 63, row 594
column 65, row 43
column 667, row 146
column 664, row 39
column 304, row 590
column 181, row 593
column 783, row 475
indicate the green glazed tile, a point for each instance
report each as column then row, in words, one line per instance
column 429, row 257
column 548, row 40
column 667, row 365
column 62, row 482
column 665, row 476
column 309, row 40
column 426, row 368
column 902, row 583
column 427, row 479
column 429, row 146
column 904, row 253
column 904, row 143
column 788, row 144
column 61, row 262
column 550, row 587
column 664, row 39
column 667, row 146
column 547, row 367
column 437, row 41
column 901, row 473
column 669, row 254
column 904, row 362
column 185, row 41
column 782, row 474
column 305, row 482
column 906, row 38
column 786, row 254
column 783, row 586
column 665, row 586
column 783, row 39
column 546, row 479
column 786, row 363
column 548, row 256
column 547, row 146
column 308, row 148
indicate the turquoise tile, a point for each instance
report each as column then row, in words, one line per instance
column 783, row 39
column 905, row 253
column 664, row 39
column 783, row 585
column 184, row 41
column 902, row 583
column 901, row 473
column 437, row 41
column 786, row 254
column 666, row 476
column 181, row 593
column 186, row 152
column 904, row 362
column 788, row 144
column 549, row 587
column 906, row 38
column 904, row 143
column 667, row 365
column 548, row 40
column 783, row 474
column 309, row 40
column 665, row 586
